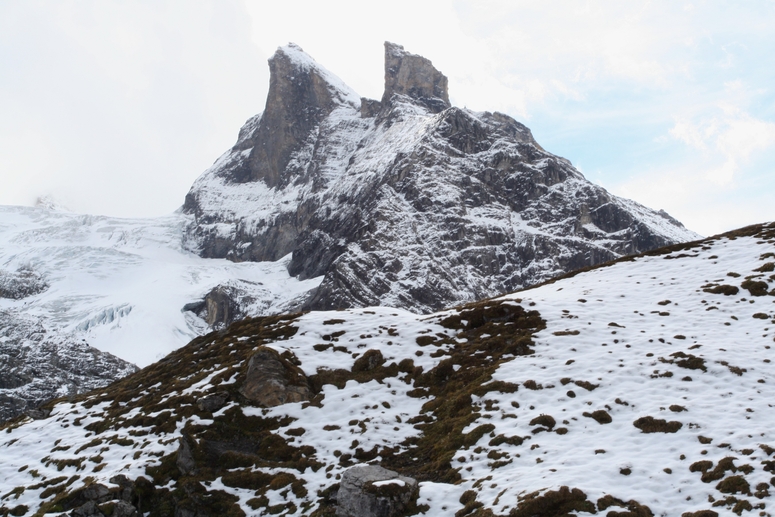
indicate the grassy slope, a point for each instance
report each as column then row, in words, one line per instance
column 475, row 402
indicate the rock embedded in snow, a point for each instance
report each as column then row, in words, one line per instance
column 405, row 202
column 272, row 380
column 373, row 491
column 214, row 402
column 184, row 459
column 22, row 283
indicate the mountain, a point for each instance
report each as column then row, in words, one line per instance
column 327, row 200
column 636, row 388
column 407, row 201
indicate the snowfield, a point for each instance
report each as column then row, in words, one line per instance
column 121, row 284
column 649, row 381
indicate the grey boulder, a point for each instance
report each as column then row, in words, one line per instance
column 373, row 491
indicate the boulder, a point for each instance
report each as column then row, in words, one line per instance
column 220, row 309
column 213, row 403
column 126, row 491
column 373, row 491
column 124, row 509
column 84, row 502
column 185, row 460
column 38, row 414
column 88, row 509
column 272, row 380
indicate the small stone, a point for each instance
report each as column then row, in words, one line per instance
column 213, row 403
column 373, row 491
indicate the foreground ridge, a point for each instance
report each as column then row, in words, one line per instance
column 642, row 387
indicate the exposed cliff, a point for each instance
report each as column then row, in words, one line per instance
column 37, row 366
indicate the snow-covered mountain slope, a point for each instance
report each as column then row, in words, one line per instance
column 121, row 284
column 642, row 387
column 37, row 365
column 408, row 201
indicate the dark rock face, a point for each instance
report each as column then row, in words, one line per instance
column 414, row 76
column 407, row 202
column 230, row 302
column 22, row 283
column 272, row 380
column 36, row 367
column 97, row 500
column 220, row 308
column 373, row 491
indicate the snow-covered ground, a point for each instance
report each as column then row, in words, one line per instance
column 120, row 284
column 637, row 339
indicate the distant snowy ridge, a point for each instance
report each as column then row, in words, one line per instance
column 644, row 387
column 407, row 201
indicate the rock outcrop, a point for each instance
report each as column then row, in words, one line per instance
column 21, row 283
column 414, row 76
column 301, row 95
column 408, row 201
column 373, row 491
column 36, row 367
column 272, row 380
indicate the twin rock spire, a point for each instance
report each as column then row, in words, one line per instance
column 302, row 94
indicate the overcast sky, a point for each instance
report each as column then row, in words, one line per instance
column 116, row 107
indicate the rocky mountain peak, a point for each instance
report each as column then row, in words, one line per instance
column 301, row 95
column 409, row 202
column 414, row 76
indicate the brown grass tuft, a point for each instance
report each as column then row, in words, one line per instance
column 649, row 424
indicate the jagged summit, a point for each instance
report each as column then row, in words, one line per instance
column 301, row 95
column 408, row 201
column 414, row 76
column 411, row 77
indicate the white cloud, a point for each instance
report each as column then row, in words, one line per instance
column 116, row 107
column 729, row 139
